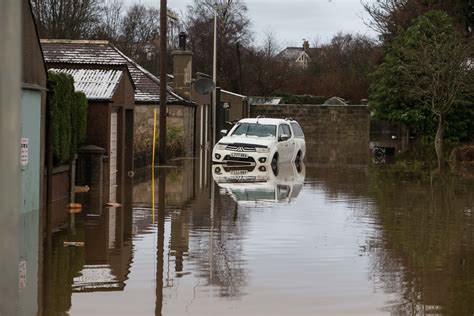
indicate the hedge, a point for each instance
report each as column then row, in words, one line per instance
column 70, row 117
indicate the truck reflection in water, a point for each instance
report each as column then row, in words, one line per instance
column 261, row 184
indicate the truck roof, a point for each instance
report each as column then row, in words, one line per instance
column 264, row 120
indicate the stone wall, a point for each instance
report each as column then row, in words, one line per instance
column 180, row 123
column 334, row 134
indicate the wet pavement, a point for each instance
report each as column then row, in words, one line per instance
column 315, row 239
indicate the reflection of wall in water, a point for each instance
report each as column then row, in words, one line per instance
column 334, row 134
column 179, row 243
column 335, row 181
column 107, row 253
column 179, row 185
column 102, row 264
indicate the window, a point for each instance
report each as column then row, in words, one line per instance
column 254, row 129
column 297, row 130
column 286, row 130
column 283, row 129
column 280, row 130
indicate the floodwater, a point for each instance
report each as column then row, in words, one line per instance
column 317, row 239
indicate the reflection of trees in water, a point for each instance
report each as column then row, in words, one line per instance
column 340, row 180
column 218, row 256
column 422, row 248
column 426, row 254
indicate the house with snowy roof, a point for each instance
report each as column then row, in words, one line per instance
column 122, row 97
column 297, row 56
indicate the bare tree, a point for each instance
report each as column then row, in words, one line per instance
column 139, row 31
column 389, row 17
column 72, row 19
column 266, row 73
column 233, row 28
column 111, row 20
column 271, row 47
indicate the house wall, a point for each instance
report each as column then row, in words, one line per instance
column 98, row 124
column 238, row 110
column 334, row 134
column 180, row 118
column 238, row 105
column 98, row 133
column 32, row 176
column 34, row 71
column 124, row 101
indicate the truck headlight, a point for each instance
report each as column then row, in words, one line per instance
column 220, row 147
column 265, row 150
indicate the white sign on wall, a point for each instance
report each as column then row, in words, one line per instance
column 24, row 152
column 22, row 274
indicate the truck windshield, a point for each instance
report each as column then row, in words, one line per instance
column 254, row 129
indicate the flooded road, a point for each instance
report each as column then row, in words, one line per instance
column 315, row 239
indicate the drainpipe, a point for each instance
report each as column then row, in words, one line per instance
column 47, row 235
column 10, row 135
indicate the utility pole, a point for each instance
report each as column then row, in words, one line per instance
column 163, row 42
column 214, row 73
column 214, row 78
column 10, row 122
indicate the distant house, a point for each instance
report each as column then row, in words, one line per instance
column 297, row 56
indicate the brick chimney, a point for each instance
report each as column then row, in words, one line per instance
column 305, row 45
column 182, row 68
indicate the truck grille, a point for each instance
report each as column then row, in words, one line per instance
column 241, row 148
column 249, row 160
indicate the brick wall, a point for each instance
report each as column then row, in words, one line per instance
column 334, row 134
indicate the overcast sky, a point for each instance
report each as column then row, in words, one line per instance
column 291, row 21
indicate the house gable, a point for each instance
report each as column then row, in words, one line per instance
column 34, row 70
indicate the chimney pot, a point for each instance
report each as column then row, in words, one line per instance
column 305, row 45
column 182, row 41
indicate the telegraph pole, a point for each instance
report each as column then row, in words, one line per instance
column 214, row 78
column 163, row 43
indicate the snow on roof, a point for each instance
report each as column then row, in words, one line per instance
column 335, row 101
column 271, row 121
column 148, row 85
column 84, row 52
column 97, row 84
column 233, row 93
column 265, row 100
column 292, row 53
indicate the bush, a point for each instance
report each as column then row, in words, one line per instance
column 79, row 120
column 302, row 99
column 70, row 117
